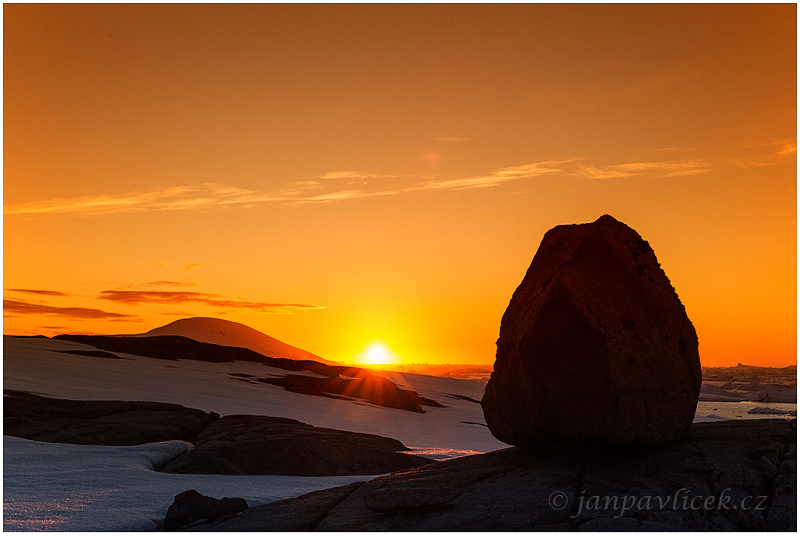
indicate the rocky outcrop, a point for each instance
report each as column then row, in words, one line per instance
column 191, row 506
column 256, row 445
column 595, row 345
column 99, row 422
column 732, row 476
column 301, row 514
column 231, row 445
column 362, row 385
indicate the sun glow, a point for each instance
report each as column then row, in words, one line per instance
column 376, row 354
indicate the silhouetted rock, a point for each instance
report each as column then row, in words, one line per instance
column 363, row 385
column 732, row 475
column 191, row 506
column 301, row 514
column 595, row 345
column 99, row 422
column 257, row 445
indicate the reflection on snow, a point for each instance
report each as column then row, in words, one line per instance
column 64, row 487
column 38, row 514
column 440, row 454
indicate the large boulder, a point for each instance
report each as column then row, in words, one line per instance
column 595, row 345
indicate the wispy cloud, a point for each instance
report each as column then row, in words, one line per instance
column 336, row 186
column 342, row 195
column 593, row 172
column 502, row 175
column 764, row 154
column 332, row 186
column 26, row 308
column 332, row 196
column 354, row 175
column 340, row 186
column 208, row 195
column 747, row 163
column 133, row 297
column 675, row 168
column 499, row 176
column 669, row 168
column 54, row 293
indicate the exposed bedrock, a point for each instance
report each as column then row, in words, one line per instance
column 732, row 476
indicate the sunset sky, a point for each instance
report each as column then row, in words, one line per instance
column 339, row 175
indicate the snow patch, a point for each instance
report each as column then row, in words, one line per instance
column 35, row 366
column 60, row 487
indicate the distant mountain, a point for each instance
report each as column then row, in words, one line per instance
column 227, row 333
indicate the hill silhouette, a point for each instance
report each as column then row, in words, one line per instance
column 227, row 333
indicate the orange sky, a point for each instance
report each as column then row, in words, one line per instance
column 339, row 175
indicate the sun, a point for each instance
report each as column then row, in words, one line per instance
column 376, row 354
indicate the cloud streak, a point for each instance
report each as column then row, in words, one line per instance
column 54, row 293
column 208, row 195
column 653, row 169
column 351, row 175
column 766, row 154
column 788, row 149
column 135, row 297
column 499, row 176
column 335, row 186
column 26, row 308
